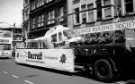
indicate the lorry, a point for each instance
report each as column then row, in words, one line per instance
column 106, row 51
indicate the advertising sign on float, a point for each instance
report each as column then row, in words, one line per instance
column 61, row 59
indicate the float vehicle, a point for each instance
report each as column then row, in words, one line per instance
column 48, row 51
column 105, row 51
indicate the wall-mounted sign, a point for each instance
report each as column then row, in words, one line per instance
column 108, row 27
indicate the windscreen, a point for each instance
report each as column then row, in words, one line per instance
column 69, row 34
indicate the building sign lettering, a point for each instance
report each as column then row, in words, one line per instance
column 107, row 27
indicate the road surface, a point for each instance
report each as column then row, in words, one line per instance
column 12, row 73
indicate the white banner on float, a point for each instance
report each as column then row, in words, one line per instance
column 107, row 27
column 60, row 59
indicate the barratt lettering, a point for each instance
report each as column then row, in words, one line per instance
column 35, row 55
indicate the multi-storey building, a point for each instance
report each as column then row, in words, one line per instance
column 77, row 14
column 17, row 35
column 26, row 21
column 97, row 12
column 42, row 15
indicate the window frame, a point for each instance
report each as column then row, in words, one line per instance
column 92, row 11
column 54, row 38
column 126, row 7
column 76, row 16
column 51, row 17
column 83, row 14
column 108, row 6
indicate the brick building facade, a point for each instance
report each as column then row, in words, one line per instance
column 40, row 15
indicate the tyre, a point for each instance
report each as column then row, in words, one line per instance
column 103, row 70
column 89, row 70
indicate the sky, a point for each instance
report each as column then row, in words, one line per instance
column 11, row 12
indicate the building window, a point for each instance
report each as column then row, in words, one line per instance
column 129, row 6
column 48, row 1
column 108, row 9
column 107, row 12
column 76, row 16
column 61, row 14
column 26, row 2
column 106, row 2
column 90, row 12
column 33, row 5
column 33, row 23
column 40, row 3
column 51, row 17
column 40, row 20
column 76, row 1
column 83, row 14
column 99, row 9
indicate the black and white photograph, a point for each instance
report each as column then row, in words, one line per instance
column 67, row 41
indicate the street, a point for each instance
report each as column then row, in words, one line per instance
column 12, row 73
column 73, row 41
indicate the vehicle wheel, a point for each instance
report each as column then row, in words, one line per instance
column 89, row 70
column 103, row 70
